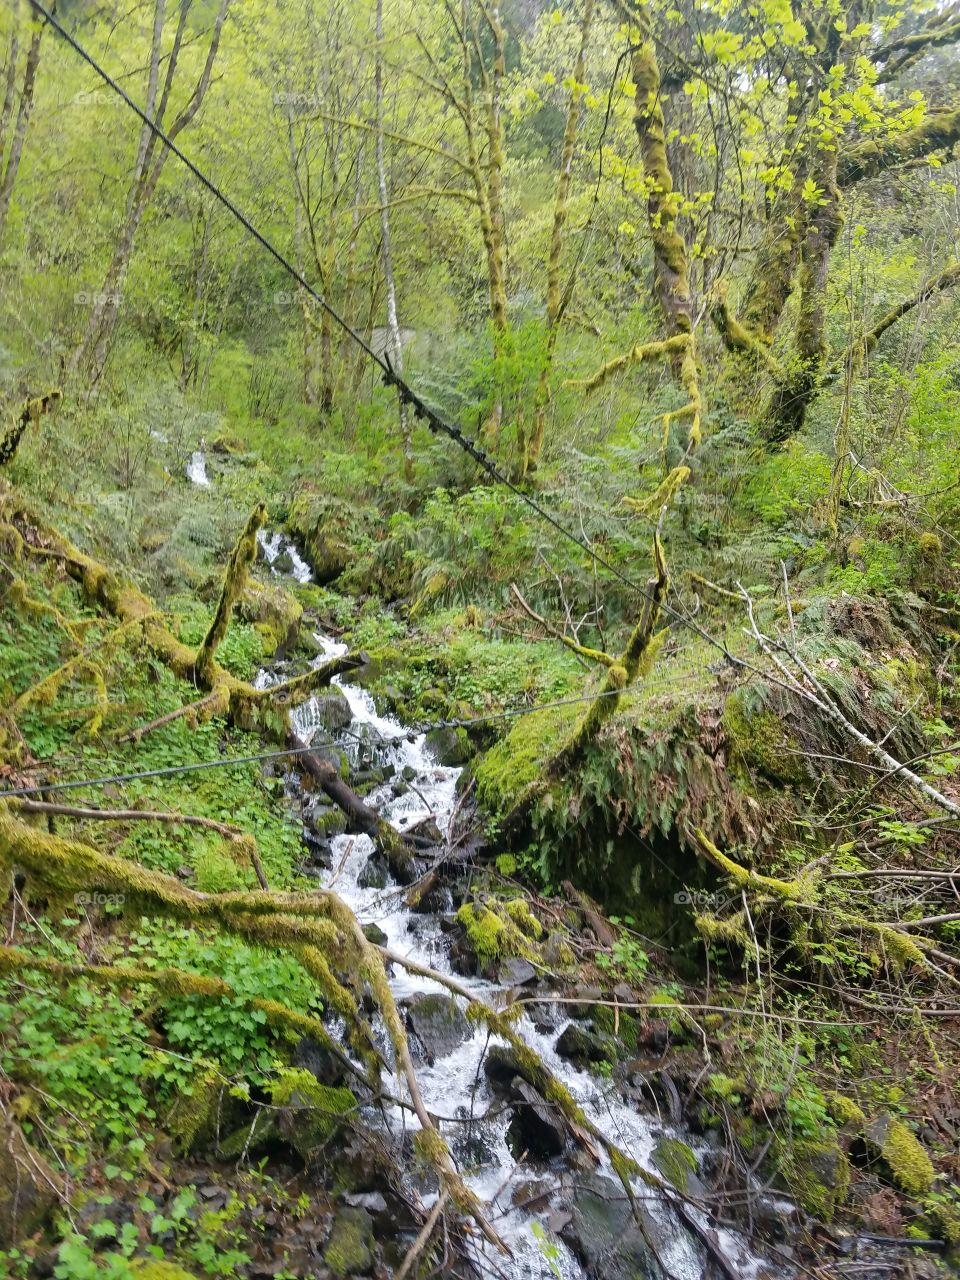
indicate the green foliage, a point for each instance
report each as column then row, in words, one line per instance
column 85, row 1048
column 228, row 1032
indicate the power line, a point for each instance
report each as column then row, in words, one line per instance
column 406, row 735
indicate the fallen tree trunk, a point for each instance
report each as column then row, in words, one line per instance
column 360, row 816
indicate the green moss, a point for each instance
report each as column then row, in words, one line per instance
column 274, row 614
column 496, row 933
column 349, row 1251
column 154, row 1269
column 845, row 1110
column 516, row 762
column 909, row 1164
column 194, row 1115
column 758, row 740
column 623, row 1026
column 320, row 1108
column 676, row 1161
column 817, row 1173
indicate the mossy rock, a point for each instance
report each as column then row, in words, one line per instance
column 501, row 930
column 758, row 739
column 451, row 746
column 585, row 1048
column 817, row 1173
column 310, row 1113
column 908, row 1163
column 274, row 614
column 195, row 1117
column 350, row 1249
column 677, row 1162
column 155, row 1269
column 624, row 1027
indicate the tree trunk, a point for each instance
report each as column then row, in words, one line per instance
column 394, row 344
column 15, row 151
column 533, row 446
column 95, row 345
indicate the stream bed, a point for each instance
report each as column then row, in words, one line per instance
column 561, row 1219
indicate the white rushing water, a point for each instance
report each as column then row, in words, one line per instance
column 197, row 469
column 456, row 1086
column 283, row 556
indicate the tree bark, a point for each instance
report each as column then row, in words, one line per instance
column 94, row 347
column 394, row 344
column 532, row 448
column 15, row 150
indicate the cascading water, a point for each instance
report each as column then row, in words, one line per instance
column 454, row 1086
column 197, row 469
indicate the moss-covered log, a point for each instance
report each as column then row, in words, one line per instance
column 32, row 412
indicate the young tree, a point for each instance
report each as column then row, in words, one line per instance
column 91, row 354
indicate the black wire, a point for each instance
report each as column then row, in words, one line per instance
column 407, row 735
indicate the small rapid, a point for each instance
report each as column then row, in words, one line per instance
column 455, row 1089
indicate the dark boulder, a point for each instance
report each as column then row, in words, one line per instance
column 437, row 1026
column 536, row 1127
column 584, row 1048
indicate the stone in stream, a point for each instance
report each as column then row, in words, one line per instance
column 583, row 1047
column 536, row 1127
column 516, row 972
column 450, row 746
column 610, row 1243
column 375, row 873
column 437, row 1026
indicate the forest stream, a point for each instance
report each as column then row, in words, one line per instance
column 482, row 1131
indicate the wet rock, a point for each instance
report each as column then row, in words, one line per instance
column 586, row 999
column 375, row 874
column 324, row 821
column 678, row 1164
column 501, row 1066
column 517, row 972
column 437, row 1026
column 450, row 746
column 373, row 933
column 604, row 1235
column 27, row 1186
column 331, row 708
column 350, row 1249
column 316, row 1058
column 535, row 1127
column 333, row 756
column 583, row 1047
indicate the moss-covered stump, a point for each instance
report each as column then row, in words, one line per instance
column 273, row 612
column 28, row 1186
